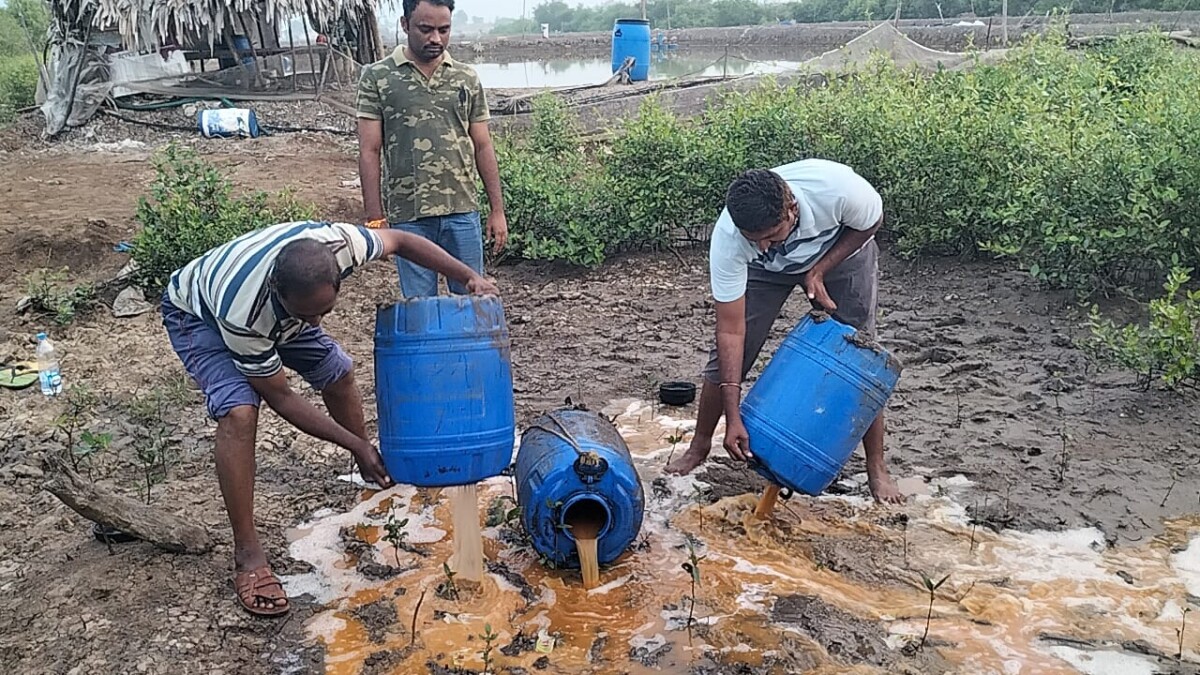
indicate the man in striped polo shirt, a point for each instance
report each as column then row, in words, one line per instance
column 239, row 314
column 811, row 224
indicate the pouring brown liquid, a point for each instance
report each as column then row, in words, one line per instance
column 586, row 519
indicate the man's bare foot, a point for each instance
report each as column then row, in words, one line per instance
column 688, row 461
column 883, row 488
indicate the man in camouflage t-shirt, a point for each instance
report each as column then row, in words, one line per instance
column 426, row 117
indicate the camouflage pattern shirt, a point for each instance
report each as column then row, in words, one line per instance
column 428, row 157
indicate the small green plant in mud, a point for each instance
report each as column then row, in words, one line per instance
column 1179, row 632
column 412, row 639
column 447, row 590
column 503, row 512
column 903, row 518
column 1167, row 348
column 675, row 439
column 395, row 533
column 700, row 495
column 932, row 588
column 78, row 404
column 50, row 294
column 692, row 567
column 489, row 642
column 149, row 414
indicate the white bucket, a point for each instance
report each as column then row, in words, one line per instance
column 226, row 122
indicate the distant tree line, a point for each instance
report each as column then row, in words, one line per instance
column 717, row 13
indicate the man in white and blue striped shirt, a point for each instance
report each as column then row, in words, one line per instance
column 239, row 314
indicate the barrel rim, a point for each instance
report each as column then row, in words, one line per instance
column 592, row 496
column 631, row 21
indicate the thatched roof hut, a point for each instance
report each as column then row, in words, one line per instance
column 78, row 78
column 150, row 24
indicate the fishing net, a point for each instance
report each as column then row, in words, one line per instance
column 886, row 40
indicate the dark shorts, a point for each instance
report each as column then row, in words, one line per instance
column 853, row 285
column 313, row 354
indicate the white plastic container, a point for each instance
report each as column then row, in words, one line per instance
column 49, row 373
column 228, row 122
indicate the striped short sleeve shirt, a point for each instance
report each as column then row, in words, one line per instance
column 228, row 287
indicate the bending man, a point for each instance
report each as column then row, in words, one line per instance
column 811, row 224
column 239, row 314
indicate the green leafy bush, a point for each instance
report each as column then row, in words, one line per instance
column 1167, row 348
column 1078, row 165
column 554, row 193
column 191, row 209
column 51, row 295
column 18, row 85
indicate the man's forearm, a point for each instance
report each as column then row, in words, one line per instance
column 489, row 171
column 307, row 418
column 431, row 256
column 730, row 353
column 370, row 175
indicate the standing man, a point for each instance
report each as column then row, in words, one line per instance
column 426, row 115
column 239, row 314
column 811, row 223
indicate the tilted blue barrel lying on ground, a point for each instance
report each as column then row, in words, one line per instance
column 443, row 388
column 814, row 401
column 573, row 464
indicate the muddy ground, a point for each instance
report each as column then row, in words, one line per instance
column 995, row 388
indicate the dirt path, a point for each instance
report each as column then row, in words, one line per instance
column 993, row 385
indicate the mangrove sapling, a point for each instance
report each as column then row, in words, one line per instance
column 701, row 498
column 674, row 439
column 932, row 588
column 395, row 533
column 79, row 402
column 448, row 589
column 90, row 445
column 489, row 639
column 1170, row 487
column 1179, row 632
column 692, row 567
column 975, row 520
column 412, row 640
column 904, row 537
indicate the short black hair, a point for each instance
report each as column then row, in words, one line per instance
column 756, row 200
column 303, row 266
column 410, row 5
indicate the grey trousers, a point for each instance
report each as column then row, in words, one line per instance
column 853, row 285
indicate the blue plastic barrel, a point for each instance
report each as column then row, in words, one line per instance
column 814, row 402
column 631, row 37
column 558, row 483
column 443, row 388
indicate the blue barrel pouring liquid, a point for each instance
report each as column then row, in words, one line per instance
column 580, row 496
column 812, row 405
column 443, row 388
column 631, row 37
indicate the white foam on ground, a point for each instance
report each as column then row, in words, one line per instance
column 322, row 546
column 1104, row 662
column 610, row 586
column 1187, row 565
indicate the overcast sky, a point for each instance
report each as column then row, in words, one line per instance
column 493, row 9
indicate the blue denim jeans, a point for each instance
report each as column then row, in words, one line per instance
column 462, row 237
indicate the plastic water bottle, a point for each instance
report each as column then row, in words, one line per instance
column 48, row 371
